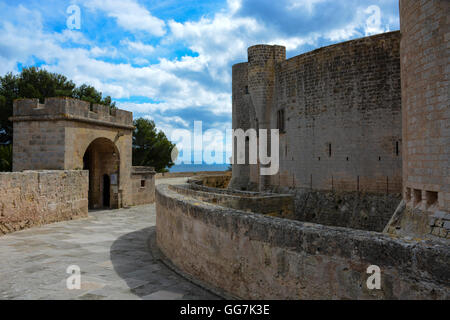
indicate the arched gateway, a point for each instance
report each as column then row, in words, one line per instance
column 103, row 162
column 69, row 134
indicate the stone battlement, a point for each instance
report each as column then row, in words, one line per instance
column 63, row 108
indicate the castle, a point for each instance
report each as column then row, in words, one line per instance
column 364, row 172
column 363, row 180
column 369, row 116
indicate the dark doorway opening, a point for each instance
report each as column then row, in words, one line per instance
column 102, row 160
column 106, row 191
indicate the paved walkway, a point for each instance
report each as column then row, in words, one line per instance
column 110, row 247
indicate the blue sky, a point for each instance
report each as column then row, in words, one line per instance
column 170, row 61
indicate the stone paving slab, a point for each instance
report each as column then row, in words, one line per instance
column 111, row 249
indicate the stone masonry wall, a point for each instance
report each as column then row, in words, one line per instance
column 39, row 145
column 80, row 135
column 143, row 185
column 364, row 211
column 343, row 117
column 242, row 109
column 413, row 223
column 32, row 198
column 262, row 62
column 425, row 69
column 252, row 256
column 425, row 54
column 216, row 181
column 277, row 205
column 69, row 108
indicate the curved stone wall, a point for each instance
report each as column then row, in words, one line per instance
column 253, row 256
column 343, row 117
column 425, row 98
column 262, row 61
column 241, row 120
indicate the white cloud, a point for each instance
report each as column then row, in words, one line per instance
column 141, row 61
column 103, row 52
column 367, row 19
column 138, row 46
column 73, row 36
column 234, row 5
column 120, row 80
column 200, row 82
column 130, row 15
column 186, row 63
column 217, row 41
column 307, row 5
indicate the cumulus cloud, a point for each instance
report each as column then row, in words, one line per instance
column 138, row 47
column 130, row 15
column 307, row 5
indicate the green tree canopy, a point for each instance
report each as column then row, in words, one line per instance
column 151, row 147
column 38, row 83
column 6, row 157
column 88, row 93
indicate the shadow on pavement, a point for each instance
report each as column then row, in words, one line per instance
column 145, row 274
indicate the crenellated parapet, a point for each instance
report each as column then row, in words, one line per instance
column 63, row 108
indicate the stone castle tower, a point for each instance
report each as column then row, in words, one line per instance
column 253, row 90
column 425, row 70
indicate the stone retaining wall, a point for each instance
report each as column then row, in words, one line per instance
column 216, row 181
column 253, row 256
column 279, row 205
column 357, row 210
column 32, row 198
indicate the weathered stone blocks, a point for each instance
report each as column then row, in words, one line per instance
column 143, row 185
column 425, row 104
column 32, row 198
column 253, row 256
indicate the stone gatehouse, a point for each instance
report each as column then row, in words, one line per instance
column 69, row 134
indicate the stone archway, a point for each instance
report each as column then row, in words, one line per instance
column 102, row 159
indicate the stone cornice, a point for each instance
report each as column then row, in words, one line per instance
column 68, row 117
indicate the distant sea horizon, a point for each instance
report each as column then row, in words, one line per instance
column 199, row 167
